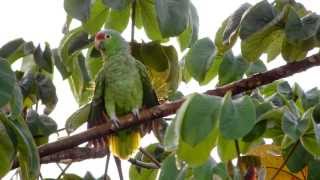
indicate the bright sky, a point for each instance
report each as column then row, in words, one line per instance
column 42, row 20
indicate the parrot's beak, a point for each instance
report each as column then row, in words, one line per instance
column 100, row 36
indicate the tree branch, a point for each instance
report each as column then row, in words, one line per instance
column 169, row 108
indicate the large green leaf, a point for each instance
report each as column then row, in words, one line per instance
column 232, row 68
column 149, row 19
column 117, row 4
column 7, row 81
column 16, row 101
column 233, row 23
column 295, row 51
column 237, row 117
column 310, row 143
column 64, row 71
column 97, row 17
column 189, row 36
column 7, row 149
column 118, row 19
column 201, row 62
column 198, row 130
column 16, row 49
column 298, row 159
column 205, row 171
column 256, row 67
column 77, row 118
column 169, row 169
column 259, row 31
column 227, row 148
column 301, row 29
column 80, row 80
column 199, row 119
column 29, row 160
column 172, row 22
column 256, row 18
column 79, row 9
column 292, row 125
column 313, row 170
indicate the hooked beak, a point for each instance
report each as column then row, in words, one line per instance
column 100, row 36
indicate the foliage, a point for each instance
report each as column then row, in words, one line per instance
column 236, row 126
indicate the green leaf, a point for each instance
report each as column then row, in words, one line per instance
column 233, row 22
column 171, row 137
column 149, row 19
column 78, row 9
column 40, row 125
column 16, row 101
column 169, row 169
column 275, row 47
column 310, row 98
column 201, row 61
column 227, row 149
column 297, row 30
column 16, row 49
column 292, row 125
column 93, row 64
column 71, row 177
column 205, row 171
column 190, row 35
column 232, row 68
column 256, row 67
column 237, row 117
column 313, row 170
column 29, row 160
column 43, row 58
column 171, row 21
column 97, row 17
column 298, row 159
column 117, row 4
column 310, row 143
column 118, row 19
column 77, row 118
column 7, row 149
column 7, row 81
column 284, row 89
column 64, row 71
column 46, row 92
column 221, row 171
column 153, row 55
column 292, row 52
column 80, row 80
column 195, row 137
column 316, row 122
column 192, row 131
column 256, row 18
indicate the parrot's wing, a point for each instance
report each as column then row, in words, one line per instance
column 149, row 100
column 97, row 113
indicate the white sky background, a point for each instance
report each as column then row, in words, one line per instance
column 42, row 20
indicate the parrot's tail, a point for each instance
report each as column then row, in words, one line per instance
column 124, row 143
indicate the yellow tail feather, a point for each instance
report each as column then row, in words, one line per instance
column 124, row 143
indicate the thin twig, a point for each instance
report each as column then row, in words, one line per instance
column 106, row 167
column 286, row 160
column 133, row 18
column 118, row 164
column 143, row 164
column 151, row 158
column 64, row 171
column 289, row 173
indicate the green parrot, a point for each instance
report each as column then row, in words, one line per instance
column 122, row 87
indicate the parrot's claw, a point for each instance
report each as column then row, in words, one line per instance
column 135, row 113
column 115, row 122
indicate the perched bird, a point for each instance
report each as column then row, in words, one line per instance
column 122, row 87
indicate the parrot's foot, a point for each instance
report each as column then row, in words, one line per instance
column 115, row 121
column 135, row 113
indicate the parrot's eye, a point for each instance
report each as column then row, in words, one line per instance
column 108, row 36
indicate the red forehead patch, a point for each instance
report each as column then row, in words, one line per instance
column 100, row 36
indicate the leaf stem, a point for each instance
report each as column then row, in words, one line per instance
column 236, row 142
column 64, row 171
column 143, row 164
column 146, row 153
column 106, row 167
column 286, row 160
column 133, row 18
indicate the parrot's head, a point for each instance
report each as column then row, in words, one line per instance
column 110, row 42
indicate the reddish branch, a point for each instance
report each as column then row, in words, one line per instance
column 169, row 108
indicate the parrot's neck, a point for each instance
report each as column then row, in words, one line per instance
column 111, row 51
